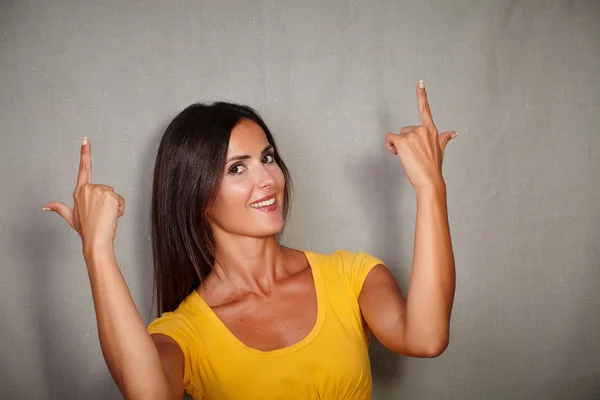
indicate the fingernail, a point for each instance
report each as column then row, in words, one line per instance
column 454, row 135
column 46, row 209
column 422, row 84
column 85, row 141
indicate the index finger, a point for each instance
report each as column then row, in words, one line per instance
column 424, row 111
column 85, row 163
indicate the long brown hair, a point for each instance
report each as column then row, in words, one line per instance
column 189, row 167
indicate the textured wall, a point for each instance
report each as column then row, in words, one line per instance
column 518, row 80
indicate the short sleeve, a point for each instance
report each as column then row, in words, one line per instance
column 356, row 267
column 176, row 327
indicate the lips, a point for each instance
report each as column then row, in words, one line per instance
column 269, row 197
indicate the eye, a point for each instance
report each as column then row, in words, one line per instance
column 236, row 169
column 269, row 158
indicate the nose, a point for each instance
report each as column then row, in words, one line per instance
column 264, row 178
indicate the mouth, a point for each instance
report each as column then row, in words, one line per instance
column 267, row 203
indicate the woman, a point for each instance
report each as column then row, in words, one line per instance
column 241, row 316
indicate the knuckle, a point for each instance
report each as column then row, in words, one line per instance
column 81, row 189
column 106, row 188
column 101, row 191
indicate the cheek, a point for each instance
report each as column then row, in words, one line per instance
column 233, row 195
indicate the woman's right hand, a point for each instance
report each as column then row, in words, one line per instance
column 96, row 207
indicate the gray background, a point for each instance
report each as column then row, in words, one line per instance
column 518, row 80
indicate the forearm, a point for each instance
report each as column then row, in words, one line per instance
column 128, row 349
column 432, row 283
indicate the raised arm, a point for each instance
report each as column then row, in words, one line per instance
column 418, row 325
column 142, row 367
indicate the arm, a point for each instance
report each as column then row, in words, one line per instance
column 135, row 362
column 418, row 325
column 142, row 366
column 172, row 362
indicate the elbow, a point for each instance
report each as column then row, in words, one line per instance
column 435, row 348
column 422, row 343
column 421, row 349
column 434, row 342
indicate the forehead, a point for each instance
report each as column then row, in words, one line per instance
column 247, row 137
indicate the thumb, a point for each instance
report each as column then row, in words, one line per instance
column 61, row 209
column 445, row 137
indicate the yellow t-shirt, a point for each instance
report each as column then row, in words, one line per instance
column 330, row 363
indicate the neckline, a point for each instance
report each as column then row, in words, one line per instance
column 321, row 309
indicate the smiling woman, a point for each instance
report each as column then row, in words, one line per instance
column 204, row 186
column 241, row 316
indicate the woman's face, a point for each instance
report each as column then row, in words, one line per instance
column 249, row 201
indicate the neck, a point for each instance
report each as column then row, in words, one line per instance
column 248, row 264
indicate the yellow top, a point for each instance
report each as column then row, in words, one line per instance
column 330, row 363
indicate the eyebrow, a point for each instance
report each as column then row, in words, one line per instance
column 245, row 157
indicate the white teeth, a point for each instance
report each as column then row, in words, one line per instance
column 263, row 203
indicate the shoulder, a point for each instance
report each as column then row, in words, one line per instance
column 351, row 266
column 180, row 321
column 344, row 259
column 175, row 335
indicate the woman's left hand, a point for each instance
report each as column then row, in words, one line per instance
column 421, row 148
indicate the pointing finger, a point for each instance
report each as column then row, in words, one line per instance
column 85, row 164
column 424, row 111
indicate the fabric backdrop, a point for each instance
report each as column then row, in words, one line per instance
column 518, row 80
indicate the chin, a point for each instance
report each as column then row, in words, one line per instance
column 263, row 229
column 269, row 231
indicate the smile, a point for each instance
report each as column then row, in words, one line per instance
column 265, row 203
